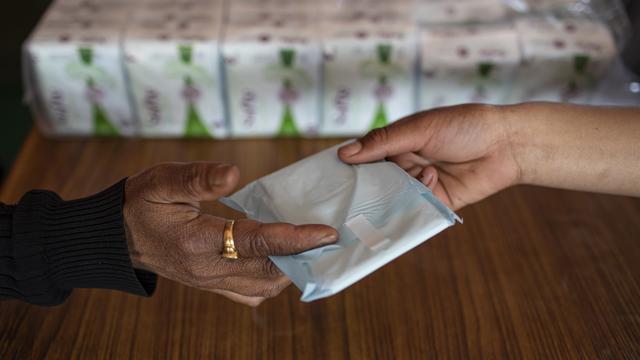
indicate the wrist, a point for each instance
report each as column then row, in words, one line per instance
column 521, row 136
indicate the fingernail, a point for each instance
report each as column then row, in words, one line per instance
column 352, row 149
column 328, row 238
column 221, row 172
column 426, row 180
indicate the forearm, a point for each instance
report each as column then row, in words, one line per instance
column 576, row 147
column 49, row 246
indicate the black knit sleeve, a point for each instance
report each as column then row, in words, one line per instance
column 49, row 246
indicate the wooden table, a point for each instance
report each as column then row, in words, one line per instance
column 532, row 273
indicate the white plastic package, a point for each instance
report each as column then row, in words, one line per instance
column 379, row 210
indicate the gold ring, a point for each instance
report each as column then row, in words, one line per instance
column 229, row 250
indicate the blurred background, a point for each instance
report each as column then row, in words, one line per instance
column 17, row 118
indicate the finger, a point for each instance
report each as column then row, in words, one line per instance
column 415, row 171
column 255, row 239
column 251, row 287
column 409, row 160
column 403, row 136
column 245, row 300
column 192, row 182
column 204, row 268
column 252, row 239
column 428, row 176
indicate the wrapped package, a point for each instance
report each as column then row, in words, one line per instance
column 459, row 11
column 369, row 75
column 173, row 61
column 268, row 10
column 379, row 210
column 549, row 5
column 73, row 73
column 465, row 64
column 272, row 70
column 562, row 59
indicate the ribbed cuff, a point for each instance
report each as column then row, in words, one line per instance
column 79, row 244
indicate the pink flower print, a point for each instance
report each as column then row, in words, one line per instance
column 429, row 74
column 570, row 28
column 463, row 52
column 450, row 10
column 288, row 95
column 558, row 44
column 264, row 38
column 94, row 94
column 190, row 93
column 383, row 92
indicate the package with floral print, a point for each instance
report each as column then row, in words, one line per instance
column 72, row 70
column 467, row 63
column 171, row 53
column 369, row 74
column 563, row 59
column 379, row 210
column 273, row 77
column 430, row 12
column 268, row 10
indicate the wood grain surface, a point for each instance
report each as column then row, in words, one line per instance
column 532, row 273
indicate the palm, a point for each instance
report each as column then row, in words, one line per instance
column 466, row 153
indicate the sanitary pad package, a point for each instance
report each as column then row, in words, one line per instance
column 379, row 210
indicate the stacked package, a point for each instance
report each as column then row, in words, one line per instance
column 74, row 71
column 462, row 64
column 272, row 65
column 369, row 62
column 265, row 68
column 460, row 11
column 171, row 52
column 562, row 60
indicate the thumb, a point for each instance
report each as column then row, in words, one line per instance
column 400, row 137
column 192, row 182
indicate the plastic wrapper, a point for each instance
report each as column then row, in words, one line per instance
column 265, row 68
column 379, row 210
column 562, row 59
column 74, row 74
column 368, row 69
column 471, row 63
column 171, row 53
column 273, row 77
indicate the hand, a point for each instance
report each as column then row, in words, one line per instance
column 169, row 235
column 462, row 153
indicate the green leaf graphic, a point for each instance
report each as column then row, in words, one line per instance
column 380, row 118
column 86, row 55
column 186, row 53
column 288, row 127
column 287, row 57
column 484, row 70
column 384, row 53
column 580, row 63
column 101, row 124
column 195, row 127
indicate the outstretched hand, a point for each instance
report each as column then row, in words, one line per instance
column 462, row 153
column 169, row 234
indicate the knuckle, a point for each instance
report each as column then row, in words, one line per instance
column 258, row 243
column 270, row 269
column 379, row 135
column 192, row 179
